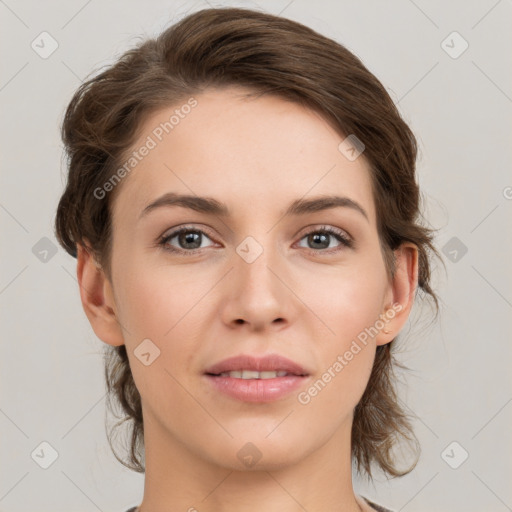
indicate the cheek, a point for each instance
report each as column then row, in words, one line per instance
column 163, row 307
column 163, row 312
column 153, row 307
column 349, row 300
column 350, row 309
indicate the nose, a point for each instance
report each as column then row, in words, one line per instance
column 256, row 293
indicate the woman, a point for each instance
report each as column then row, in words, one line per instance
column 243, row 207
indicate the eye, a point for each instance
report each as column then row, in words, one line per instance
column 188, row 239
column 320, row 239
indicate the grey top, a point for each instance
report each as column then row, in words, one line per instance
column 378, row 508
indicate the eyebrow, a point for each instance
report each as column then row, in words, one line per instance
column 211, row 206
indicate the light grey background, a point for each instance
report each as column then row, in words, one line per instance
column 460, row 109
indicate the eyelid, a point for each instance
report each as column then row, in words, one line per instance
column 345, row 239
column 170, row 233
column 313, row 228
column 186, row 227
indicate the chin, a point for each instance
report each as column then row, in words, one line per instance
column 258, row 453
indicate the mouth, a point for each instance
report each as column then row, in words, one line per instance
column 253, row 379
column 251, row 374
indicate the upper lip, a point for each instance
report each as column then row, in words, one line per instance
column 271, row 362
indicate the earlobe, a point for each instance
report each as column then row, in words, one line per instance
column 97, row 298
column 401, row 293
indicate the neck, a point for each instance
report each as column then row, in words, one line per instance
column 177, row 479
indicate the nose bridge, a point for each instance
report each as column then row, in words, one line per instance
column 256, row 264
column 260, row 295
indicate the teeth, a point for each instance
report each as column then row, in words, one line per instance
column 268, row 375
column 251, row 374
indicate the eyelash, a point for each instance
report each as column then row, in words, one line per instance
column 340, row 235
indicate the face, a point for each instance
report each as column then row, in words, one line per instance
column 257, row 279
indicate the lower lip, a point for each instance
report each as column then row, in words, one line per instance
column 257, row 390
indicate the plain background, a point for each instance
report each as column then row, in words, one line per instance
column 459, row 384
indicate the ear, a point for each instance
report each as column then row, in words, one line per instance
column 97, row 298
column 400, row 295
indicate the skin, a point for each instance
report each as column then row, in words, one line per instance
column 256, row 156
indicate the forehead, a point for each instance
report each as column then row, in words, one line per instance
column 251, row 153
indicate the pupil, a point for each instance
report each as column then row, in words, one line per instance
column 319, row 238
column 188, row 237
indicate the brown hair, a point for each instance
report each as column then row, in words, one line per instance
column 268, row 55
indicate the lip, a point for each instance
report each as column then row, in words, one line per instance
column 270, row 362
column 256, row 390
